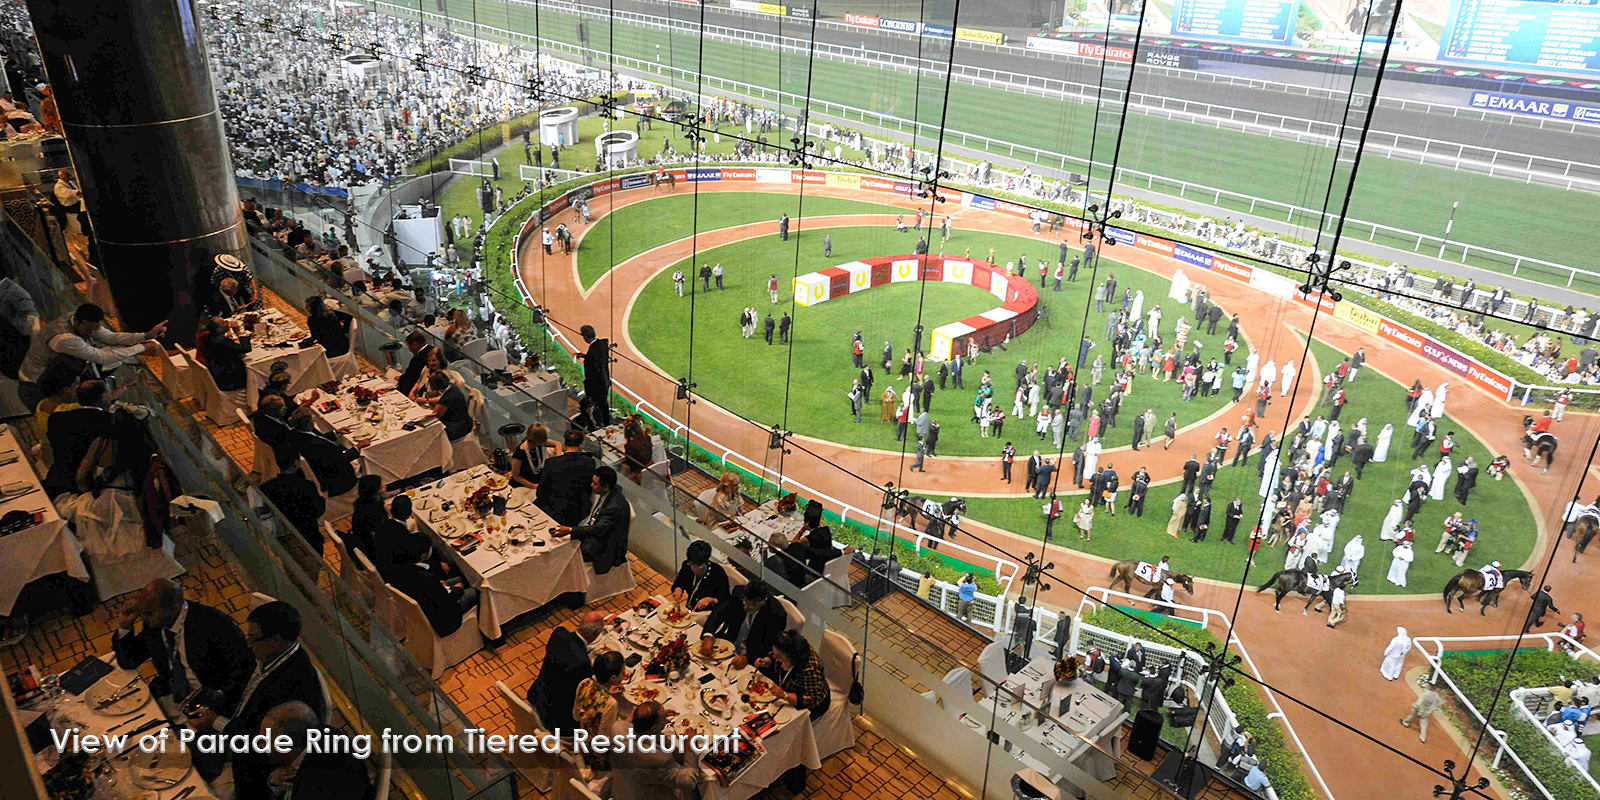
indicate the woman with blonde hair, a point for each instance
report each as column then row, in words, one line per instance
column 435, row 363
column 527, row 463
column 460, row 328
column 721, row 503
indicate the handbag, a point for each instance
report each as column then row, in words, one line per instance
column 857, row 693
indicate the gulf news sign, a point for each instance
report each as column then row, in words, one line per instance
column 925, row 29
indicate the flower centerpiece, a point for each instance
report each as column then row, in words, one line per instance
column 480, row 502
column 788, row 503
column 1066, row 670
column 363, row 395
column 251, row 320
column 672, row 657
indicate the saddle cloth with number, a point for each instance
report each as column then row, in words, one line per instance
column 1317, row 582
column 1492, row 580
column 1147, row 572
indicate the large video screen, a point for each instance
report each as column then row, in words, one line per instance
column 1265, row 21
column 1555, row 34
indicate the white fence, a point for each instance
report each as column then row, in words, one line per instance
column 1059, row 164
column 462, row 166
column 1435, row 660
column 1527, row 703
column 1206, row 617
column 545, row 176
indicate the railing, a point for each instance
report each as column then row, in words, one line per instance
column 1233, row 641
column 1520, row 703
column 1435, row 659
column 1206, row 615
column 1059, row 165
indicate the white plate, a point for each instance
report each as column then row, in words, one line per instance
column 137, row 696
column 160, row 770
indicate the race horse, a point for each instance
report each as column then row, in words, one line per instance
column 1584, row 529
column 1470, row 581
column 921, row 509
column 664, row 180
column 1539, row 445
column 1301, row 581
column 1126, row 572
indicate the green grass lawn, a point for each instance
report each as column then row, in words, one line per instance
column 1393, row 192
column 634, row 229
column 460, row 197
column 1504, row 519
column 806, row 391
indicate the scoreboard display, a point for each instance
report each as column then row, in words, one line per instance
column 1551, row 34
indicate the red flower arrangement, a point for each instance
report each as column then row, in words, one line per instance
column 674, row 655
column 1067, row 669
column 788, row 503
column 363, row 395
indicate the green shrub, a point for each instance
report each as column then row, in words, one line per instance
column 1479, row 675
column 1279, row 760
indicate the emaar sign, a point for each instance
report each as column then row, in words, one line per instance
column 1534, row 106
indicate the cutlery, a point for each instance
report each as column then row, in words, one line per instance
column 185, row 793
column 127, row 689
column 129, row 722
column 170, row 782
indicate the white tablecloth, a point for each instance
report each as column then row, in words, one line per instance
column 791, row 743
column 74, row 709
column 394, row 453
column 521, row 577
column 764, row 520
column 308, row 367
column 44, row 549
column 1094, row 715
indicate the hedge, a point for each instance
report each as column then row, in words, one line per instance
column 1279, row 760
column 1478, row 676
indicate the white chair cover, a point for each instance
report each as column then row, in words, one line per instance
column 372, row 588
column 992, row 663
column 617, row 580
column 347, row 366
column 797, row 620
column 536, row 767
column 835, row 731
column 175, row 375
column 432, row 652
column 220, row 407
column 263, row 462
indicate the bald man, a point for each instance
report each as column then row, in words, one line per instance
column 192, row 647
column 230, row 297
column 305, row 775
column 567, row 661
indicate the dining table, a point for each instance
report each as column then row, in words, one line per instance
column 511, row 555
column 397, row 437
column 711, row 697
column 46, row 546
column 120, row 704
column 274, row 337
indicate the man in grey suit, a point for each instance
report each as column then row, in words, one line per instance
column 639, row 775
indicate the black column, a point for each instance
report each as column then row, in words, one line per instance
column 143, row 128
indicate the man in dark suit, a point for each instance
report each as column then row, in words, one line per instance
column 1079, row 459
column 1138, row 431
column 752, row 624
column 1041, row 484
column 1466, row 479
column 297, row 497
column 1230, row 519
column 1202, row 520
column 229, row 296
column 417, row 343
column 565, row 484
column 214, row 658
column 700, row 585
column 283, row 673
column 1246, row 440
column 603, row 534
column 73, row 432
column 272, row 426
column 566, row 664
column 1033, row 470
column 443, row 605
column 394, row 542
column 324, row 773
column 1191, row 471
column 224, row 356
column 1361, row 455
column 329, row 462
column 597, row 374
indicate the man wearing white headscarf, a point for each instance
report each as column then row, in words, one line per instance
column 1394, row 656
column 1320, row 544
column 1251, row 363
column 1354, row 551
column 1269, row 371
column 1288, row 378
column 1441, row 477
column 1438, row 400
column 1391, row 522
column 1399, row 563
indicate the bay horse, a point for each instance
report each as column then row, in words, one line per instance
column 915, row 509
column 665, row 180
column 1470, row 581
column 1539, row 445
column 1584, row 529
column 1286, row 581
column 1125, row 572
